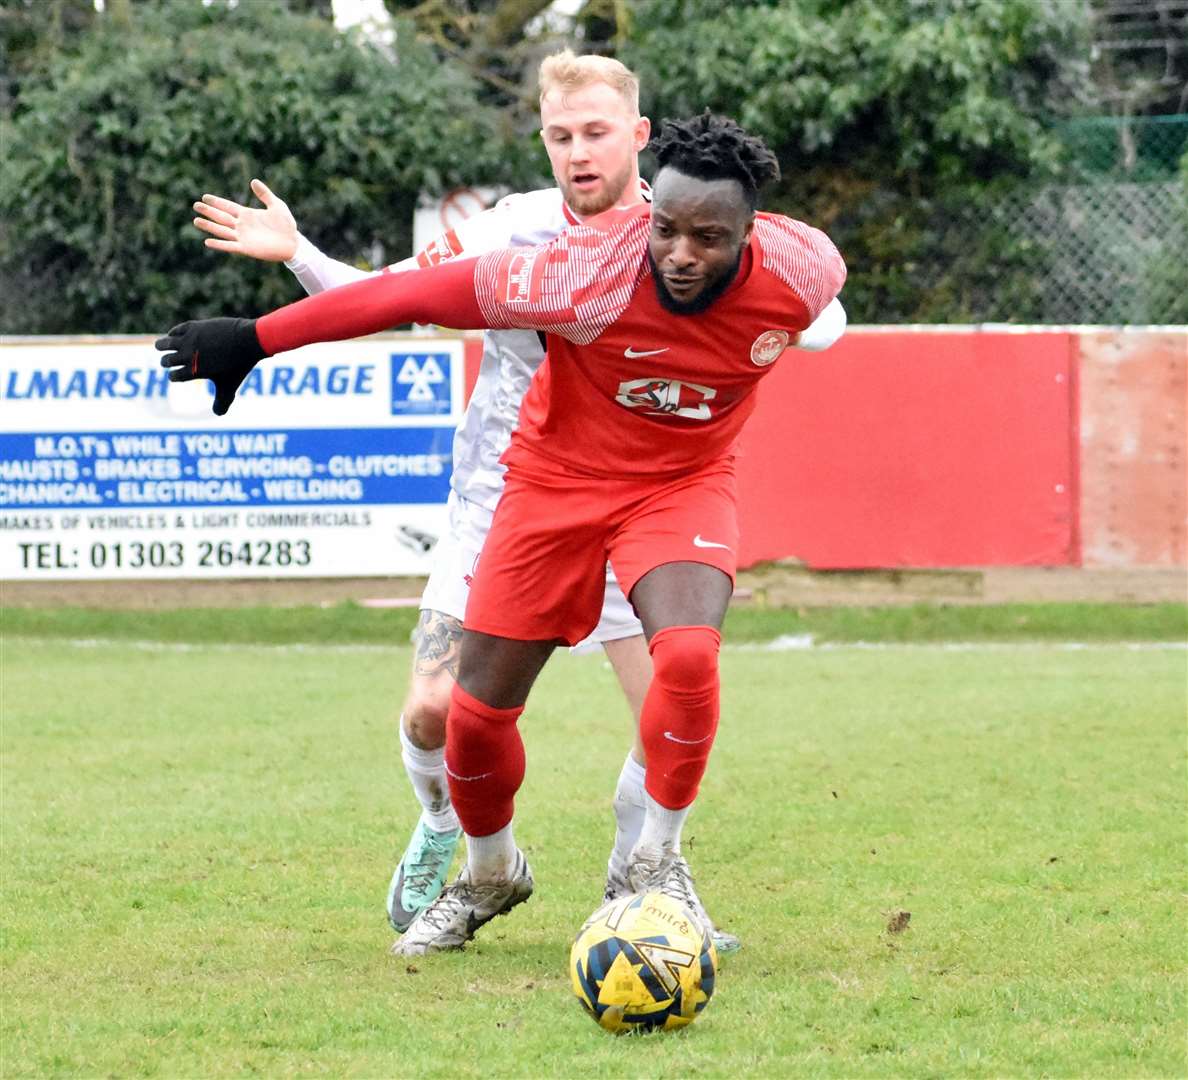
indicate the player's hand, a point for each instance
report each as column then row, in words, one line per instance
column 221, row 350
column 269, row 234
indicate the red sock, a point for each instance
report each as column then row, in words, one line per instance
column 484, row 761
column 680, row 712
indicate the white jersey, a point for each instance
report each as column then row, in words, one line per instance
column 510, row 357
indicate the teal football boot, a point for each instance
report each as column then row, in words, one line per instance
column 421, row 875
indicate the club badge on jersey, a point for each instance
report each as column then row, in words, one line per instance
column 768, row 346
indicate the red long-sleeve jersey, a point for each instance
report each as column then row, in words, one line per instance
column 628, row 388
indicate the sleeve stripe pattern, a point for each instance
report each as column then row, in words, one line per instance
column 803, row 258
column 575, row 287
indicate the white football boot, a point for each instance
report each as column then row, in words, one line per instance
column 451, row 920
column 616, row 881
column 670, row 875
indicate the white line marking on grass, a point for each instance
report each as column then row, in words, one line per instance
column 212, row 646
column 783, row 643
column 802, row 642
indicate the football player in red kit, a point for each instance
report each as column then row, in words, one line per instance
column 660, row 324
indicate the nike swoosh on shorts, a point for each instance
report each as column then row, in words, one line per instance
column 698, row 542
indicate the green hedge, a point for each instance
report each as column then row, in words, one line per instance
column 105, row 154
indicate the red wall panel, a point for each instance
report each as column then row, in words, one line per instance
column 911, row 448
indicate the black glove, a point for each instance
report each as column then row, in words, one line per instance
column 221, row 350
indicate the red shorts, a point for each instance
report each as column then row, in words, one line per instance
column 542, row 572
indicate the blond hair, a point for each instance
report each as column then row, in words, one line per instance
column 566, row 72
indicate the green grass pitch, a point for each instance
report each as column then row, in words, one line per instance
column 197, row 842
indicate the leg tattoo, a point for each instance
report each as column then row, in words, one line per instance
column 438, row 644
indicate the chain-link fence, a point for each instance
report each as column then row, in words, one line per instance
column 1108, row 252
column 1108, row 244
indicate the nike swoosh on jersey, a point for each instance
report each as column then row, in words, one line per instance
column 686, row 742
column 631, row 353
column 698, row 542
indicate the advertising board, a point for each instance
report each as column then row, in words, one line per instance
column 334, row 460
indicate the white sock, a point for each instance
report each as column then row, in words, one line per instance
column 491, row 858
column 661, row 832
column 629, row 813
column 426, row 772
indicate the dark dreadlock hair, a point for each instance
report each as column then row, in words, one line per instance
column 715, row 148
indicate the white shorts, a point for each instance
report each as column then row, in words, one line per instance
column 457, row 553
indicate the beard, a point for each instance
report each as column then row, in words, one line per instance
column 596, row 202
column 704, row 298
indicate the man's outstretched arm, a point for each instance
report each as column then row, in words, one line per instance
column 226, row 350
column 441, row 295
column 530, row 288
column 270, row 233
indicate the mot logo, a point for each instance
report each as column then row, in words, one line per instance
column 421, row 383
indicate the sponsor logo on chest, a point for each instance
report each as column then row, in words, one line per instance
column 659, row 395
column 667, row 397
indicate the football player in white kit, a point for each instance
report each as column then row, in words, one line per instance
column 593, row 133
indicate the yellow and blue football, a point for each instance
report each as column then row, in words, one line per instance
column 643, row 962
